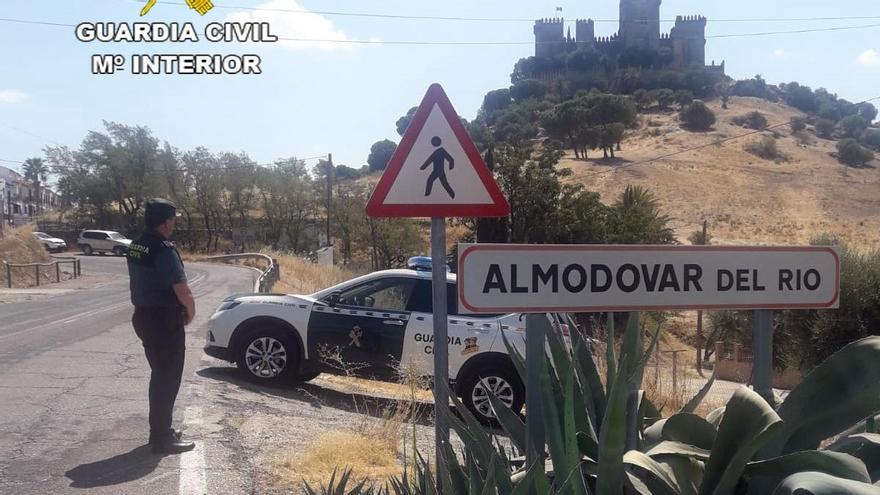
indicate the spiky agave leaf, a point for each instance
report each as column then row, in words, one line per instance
column 813, row 483
column 838, row 393
column 748, row 424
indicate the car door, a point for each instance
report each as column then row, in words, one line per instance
column 467, row 335
column 101, row 241
column 363, row 333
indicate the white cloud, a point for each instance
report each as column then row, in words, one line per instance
column 295, row 25
column 12, row 96
column 869, row 58
column 780, row 54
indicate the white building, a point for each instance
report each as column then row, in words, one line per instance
column 19, row 201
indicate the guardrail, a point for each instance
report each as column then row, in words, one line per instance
column 268, row 276
column 75, row 264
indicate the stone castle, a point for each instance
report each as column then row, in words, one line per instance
column 683, row 47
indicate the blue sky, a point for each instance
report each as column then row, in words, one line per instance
column 317, row 98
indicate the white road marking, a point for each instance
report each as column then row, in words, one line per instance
column 193, row 477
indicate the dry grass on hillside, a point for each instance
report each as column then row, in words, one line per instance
column 746, row 199
column 301, row 276
column 20, row 246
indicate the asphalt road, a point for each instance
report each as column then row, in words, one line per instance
column 73, row 387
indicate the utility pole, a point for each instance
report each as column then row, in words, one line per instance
column 331, row 171
column 704, row 240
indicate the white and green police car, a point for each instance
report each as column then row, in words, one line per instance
column 371, row 326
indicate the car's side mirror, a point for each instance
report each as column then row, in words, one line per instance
column 333, row 298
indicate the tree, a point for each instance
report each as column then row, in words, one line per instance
column 663, row 97
column 825, row 128
column 528, row 88
column 871, row 138
column 120, row 166
column 495, row 101
column 642, row 99
column 829, row 111
column 36, row 171
column 635, row 218
column 684, row 97
column 853, row 126
column 697, row 116
column 752, row 120
column 798, row 124
column 850, row 152
column 867, row 111
column 403, row 122
column 344, row 172
column 380, row 154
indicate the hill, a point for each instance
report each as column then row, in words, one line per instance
column 745, row 199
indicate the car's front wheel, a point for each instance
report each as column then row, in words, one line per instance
column 268, row 356
column 491, row 378
column 119, row 251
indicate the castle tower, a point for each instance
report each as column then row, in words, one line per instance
column 640, row 23
column 549, row 37
column 585, row 32
column 688, row 41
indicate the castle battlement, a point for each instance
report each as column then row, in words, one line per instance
column 685, row 44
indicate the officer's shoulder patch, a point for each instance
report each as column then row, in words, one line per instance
column 168, row 244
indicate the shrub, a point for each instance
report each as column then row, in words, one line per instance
column 663, row 97
column 697, row 116
column 684, row 97
column 798, row 124
column 751, row 120
column 871, row 138
column 825, row 128
column 853, row 126
column 850, row 152
column 765, row 147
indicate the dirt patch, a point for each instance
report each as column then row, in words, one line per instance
column 20, row 246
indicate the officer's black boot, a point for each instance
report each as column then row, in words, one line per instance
column 171, row 444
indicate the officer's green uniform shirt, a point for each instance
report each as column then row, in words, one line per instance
column 154, row 267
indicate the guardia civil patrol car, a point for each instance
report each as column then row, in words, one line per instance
column 370, row 327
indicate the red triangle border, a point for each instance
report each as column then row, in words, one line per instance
column 376, row 206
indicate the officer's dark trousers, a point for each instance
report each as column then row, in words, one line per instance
column 161, row 331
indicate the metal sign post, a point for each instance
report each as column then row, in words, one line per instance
column 441, row 349
column 437, row 172
column 762, row 354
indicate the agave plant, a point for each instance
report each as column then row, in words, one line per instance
column 609, row 439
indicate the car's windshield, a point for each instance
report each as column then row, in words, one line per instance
column 41, row 235
column 116, row 236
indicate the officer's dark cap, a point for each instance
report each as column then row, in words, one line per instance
column 158, row 210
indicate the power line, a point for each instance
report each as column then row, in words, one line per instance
column 379, row 15
column 502, row 43
column 695, row 148
column 489, row 43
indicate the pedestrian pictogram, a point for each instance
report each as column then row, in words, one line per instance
column 438, row 159
column 437, row 170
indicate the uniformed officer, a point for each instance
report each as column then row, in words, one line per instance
column 163, row 304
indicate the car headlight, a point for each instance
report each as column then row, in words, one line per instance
column 227, row 305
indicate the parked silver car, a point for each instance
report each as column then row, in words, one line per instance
column 103, row 241
column 52, row 244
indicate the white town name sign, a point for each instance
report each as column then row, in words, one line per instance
column 494, row 278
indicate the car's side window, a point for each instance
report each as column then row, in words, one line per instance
column 422, row 300
column 387, row 294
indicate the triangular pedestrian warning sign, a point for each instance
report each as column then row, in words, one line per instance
column 436, row 170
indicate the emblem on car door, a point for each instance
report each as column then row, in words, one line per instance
column 355, row 336
column 470, row 346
